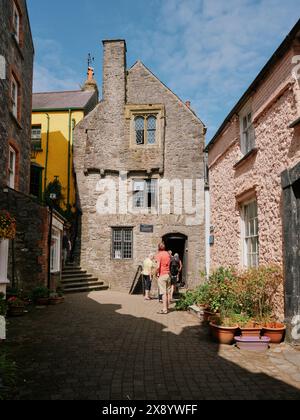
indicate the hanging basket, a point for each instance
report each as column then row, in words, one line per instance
column 7, row 226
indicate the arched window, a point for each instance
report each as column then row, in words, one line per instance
column 140, row 130
column 151, row 130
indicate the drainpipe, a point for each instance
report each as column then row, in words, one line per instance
column 47, row 155
column 69, row 159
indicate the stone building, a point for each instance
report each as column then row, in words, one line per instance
column 140, row 138
column 28, row 253
column 253, row 165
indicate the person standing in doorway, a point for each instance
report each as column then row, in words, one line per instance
column 163, row 272
column 175, row 270
column 148, row 266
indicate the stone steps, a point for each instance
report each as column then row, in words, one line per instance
column 77, row 280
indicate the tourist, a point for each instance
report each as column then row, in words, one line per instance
column 175, row 270
column 148, row 272
column 163, row 272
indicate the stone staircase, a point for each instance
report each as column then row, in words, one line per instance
column 77, row 280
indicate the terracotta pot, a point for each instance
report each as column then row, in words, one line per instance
column 207, row 315
column 56, row 300
column 250, row 331
column 223, row 335
column 16, row 310
column 42, row 301
column 275, row 331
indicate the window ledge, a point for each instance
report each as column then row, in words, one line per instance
column 18, row 46
column 16, row 120
column 245, row 158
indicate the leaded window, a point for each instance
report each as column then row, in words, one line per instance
column 145, row 129
column 122, row 244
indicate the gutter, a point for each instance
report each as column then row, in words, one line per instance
column 47, row 152
column 69, row 159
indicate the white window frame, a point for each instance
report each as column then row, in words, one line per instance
column 36, row 137
column 12, row 159
column 247, row 240
column 247, row 134
column 16, row 22
column 119, row 254
column 55, row 254
column 142, row 186
column 14, row 96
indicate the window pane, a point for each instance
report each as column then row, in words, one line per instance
column 151, row 127
column 140, row 130
column 122, row 247
column 151, row 193
column 251, row 239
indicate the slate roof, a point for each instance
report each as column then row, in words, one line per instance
column 61, row 100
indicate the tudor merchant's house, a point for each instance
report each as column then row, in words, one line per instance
column 140, row 134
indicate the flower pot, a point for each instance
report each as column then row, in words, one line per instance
column 223, row 335
column 42, row 301
column 207, row 315
column 252, row 343
column 16, row 310
column 275, row 331
column 56, row 300
column 251, row 331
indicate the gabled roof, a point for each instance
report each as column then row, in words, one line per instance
column 140, row 63
column 77, row 99
column 278, row 54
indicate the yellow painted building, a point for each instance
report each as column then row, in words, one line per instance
column 54, row 116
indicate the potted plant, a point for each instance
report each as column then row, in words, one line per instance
column 274, row 330
column 7, row 226
column 16, row 306
column 56, row 297
column 248, row 327
column 224, row 328
column 40, row 296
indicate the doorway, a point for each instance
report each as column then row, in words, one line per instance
column 177, row 243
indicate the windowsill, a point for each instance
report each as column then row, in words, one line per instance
column 18, row 46
column 16, row 120
column 245, row 158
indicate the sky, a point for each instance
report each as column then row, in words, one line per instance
column 206, row 51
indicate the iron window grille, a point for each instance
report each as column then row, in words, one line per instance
column 122, row 244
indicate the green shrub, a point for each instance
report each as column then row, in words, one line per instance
column 40, row 292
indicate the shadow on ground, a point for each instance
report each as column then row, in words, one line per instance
column 87, row 350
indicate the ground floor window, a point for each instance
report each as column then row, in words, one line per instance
column 250, row 234
column 55, row 257
column 122, row 241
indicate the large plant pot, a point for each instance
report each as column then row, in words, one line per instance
column 252, row 343
column 275, row 331
column 223, row 335
column 16, row 311
column 250, row 331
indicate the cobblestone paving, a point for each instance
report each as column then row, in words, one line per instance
column 109, row 345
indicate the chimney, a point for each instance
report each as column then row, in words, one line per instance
column 188, row 104
column 114, row 72
column 90, row 83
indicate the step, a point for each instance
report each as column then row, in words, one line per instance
column 73, row 268
column 92, row 282
column 74, row 276
column 73, row 271
column 78, row 280
column 86, row 289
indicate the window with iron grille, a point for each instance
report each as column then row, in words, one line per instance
column 145, row 130
column 251, row 235
column 122, row 243
column 36, row 137
column 145, row 193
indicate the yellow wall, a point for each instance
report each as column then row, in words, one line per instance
column 58, row 148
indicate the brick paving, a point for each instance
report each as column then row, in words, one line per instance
column 110, row 346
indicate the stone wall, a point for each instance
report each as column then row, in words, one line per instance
column 274, row 107
column 103, row 150
column 19, row 60
column 28, row 259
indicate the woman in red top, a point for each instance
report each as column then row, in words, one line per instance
column 163, row 272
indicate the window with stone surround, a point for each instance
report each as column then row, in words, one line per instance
column 145, row 124
column 14, row 96
column 122, row 243
column 145, row 193
column 250, row 234
column 247, row 131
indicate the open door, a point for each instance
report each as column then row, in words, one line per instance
column 177, row 243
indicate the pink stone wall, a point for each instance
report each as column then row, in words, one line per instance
column 260, row 175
